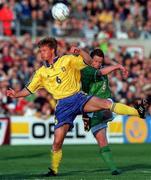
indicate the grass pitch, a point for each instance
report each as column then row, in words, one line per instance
column 80, row 162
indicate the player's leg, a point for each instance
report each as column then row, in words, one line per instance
column 56, row 153
column 59, row 136
column 65, row 113
column 96, row 104
column 105, row 151
column 98, row 125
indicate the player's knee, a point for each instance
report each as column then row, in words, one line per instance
column 108, row 103
column 105, row 103
column 57, row 145
column 103, row 144
column 101, row 138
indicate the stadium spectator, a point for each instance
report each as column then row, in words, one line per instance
column 146, row 32
column 90, row 30
column 105, row 16
column 78, row 12
column 25, row 10
column 6, row 18
column 147, row 11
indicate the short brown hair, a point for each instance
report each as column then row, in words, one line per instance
column 48, row 41
column 97, row 52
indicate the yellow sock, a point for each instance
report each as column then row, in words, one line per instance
column 123, row 109
column 55, row 160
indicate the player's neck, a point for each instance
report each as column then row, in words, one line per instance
column 51, row 60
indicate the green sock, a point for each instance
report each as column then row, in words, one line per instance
column 107, row 157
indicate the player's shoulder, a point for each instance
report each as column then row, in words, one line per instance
column 68, row 56
column 64, row 59
column 67, row 59
column 37, row 72
column 89, row 69
column 40, row 69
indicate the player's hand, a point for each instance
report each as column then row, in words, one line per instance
column 11, row 93
column 125, row 73
column 124, row 70
column 74, row 50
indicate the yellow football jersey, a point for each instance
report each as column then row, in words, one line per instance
column 61, row 79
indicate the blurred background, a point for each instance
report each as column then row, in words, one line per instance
column 121, row 28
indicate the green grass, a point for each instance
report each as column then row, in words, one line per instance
column 80, row 162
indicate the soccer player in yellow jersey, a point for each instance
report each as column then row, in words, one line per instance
column 60, row 76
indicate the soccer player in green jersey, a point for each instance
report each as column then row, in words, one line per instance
column 95, row 82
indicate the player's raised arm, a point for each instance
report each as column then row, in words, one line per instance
column 110, row 69
column 87, row 58
column 13, row 94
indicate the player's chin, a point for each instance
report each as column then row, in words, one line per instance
column 44, row 58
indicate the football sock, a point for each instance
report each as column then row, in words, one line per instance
column 55, row 160
column 107, row 157
column 123, row 109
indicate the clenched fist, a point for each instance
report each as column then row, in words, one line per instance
column 74, row 50
column 11, row 93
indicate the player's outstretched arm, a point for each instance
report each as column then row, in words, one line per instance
column 87, row 58
column 110, row 69
column 13, row 94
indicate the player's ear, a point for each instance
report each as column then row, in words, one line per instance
column 52, row 50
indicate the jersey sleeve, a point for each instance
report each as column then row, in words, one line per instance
column 35, row 83
column 77, row 62
column 92, row 73
column 88, row 77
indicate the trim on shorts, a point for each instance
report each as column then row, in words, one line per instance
column 63, row 123
column 81, row 109
column 98, row 127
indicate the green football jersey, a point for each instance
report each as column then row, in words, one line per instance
column 95, row 84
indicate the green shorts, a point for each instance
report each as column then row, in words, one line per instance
column 98, row 120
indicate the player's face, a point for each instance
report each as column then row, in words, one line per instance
column 46, row 53
column 97, row 62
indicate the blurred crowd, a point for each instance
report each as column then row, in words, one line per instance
column 95, row 22
column 89, row 19
column 19, row 58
